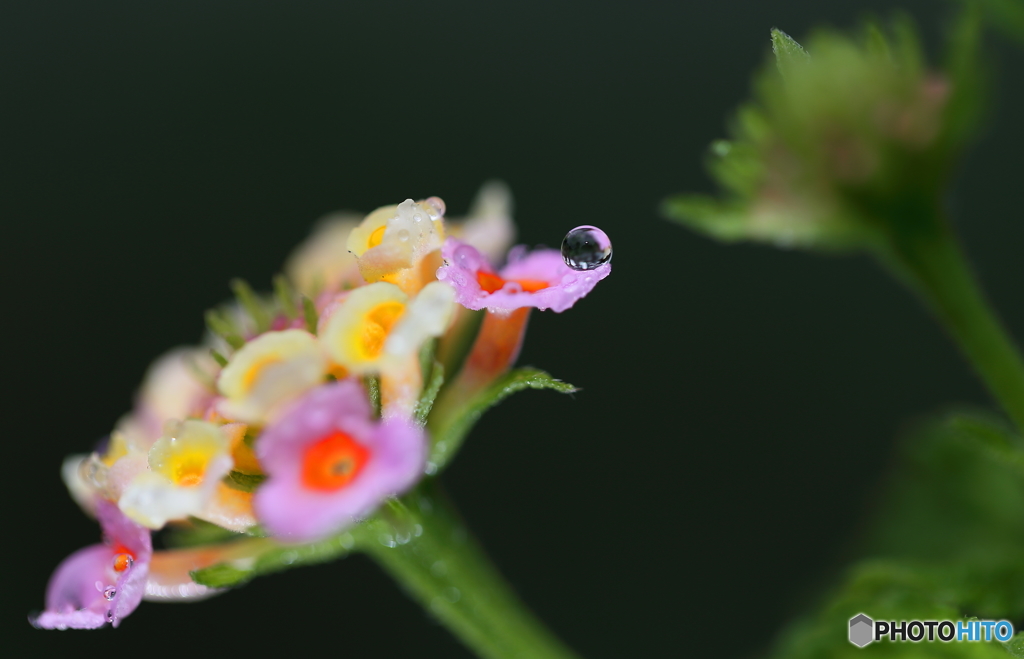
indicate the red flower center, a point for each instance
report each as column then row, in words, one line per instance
column 332, row 462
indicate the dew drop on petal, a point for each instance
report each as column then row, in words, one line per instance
column 110, row 616
column 586, row 248
column 467, row 257
column 109, row 592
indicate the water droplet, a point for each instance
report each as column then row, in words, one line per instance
column 109, row 592
column 438, row 569
column 437, row 204
column 417, row 530
column 403, row 537
column 403, row 235
column 387, row 540
column 586, row 247
column 452, row 594
column 110, row 615
column 123, row 562
column 467, row 257
column 431, row 468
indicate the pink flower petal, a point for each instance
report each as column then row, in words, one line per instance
column 289, row 508
column 85, row 591
column 564, row 286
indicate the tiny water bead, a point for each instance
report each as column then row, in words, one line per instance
column 109, row 593
column 586, row 247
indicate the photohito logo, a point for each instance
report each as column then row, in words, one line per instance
column 864, row 630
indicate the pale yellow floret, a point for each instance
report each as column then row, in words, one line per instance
column 268, row 371
column 428, row 315
column 395, row 244
column 185, row 469
column 356, row 332
column 173, row 388
column 323, row 261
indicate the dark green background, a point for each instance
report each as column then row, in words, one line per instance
column 738, row 405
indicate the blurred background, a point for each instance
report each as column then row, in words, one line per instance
column 738, row 406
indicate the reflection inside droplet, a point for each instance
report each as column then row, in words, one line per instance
column 586, row 247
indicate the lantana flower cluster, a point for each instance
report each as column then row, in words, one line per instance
column 305, row 410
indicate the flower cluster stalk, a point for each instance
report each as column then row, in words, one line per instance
column 428, row 550
column 932, row 263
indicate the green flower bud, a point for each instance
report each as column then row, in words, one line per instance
column 840, row 141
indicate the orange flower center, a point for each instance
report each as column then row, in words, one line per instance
column 491, row 282
column 332, row 462
column 378, row 325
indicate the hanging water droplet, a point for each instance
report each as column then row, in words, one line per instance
column 109, row 592
column 110, row 616
column 437, row 204
column 586, row 248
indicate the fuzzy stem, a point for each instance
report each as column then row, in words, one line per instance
column 423, row 544
column 932, row 263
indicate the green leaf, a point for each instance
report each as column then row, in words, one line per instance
column 1015, row 646
column 448, row 429
column 788, row 53
column 429, row 394
column 946, row 544
column 236, row 480
column 271, row 556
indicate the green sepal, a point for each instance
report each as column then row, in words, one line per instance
column 223, row 328
column 236, row 480
column 372, row 384
column 448, row 430
column 788, row 53
column 310, row 314
column 454, row 346
column 285, row 296
column 194, row 533
column 254, row 307
column 219, row 358
column 222, row 575
column 429, row 395
column 272, row 556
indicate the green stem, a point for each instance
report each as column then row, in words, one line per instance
column 424, row 546
column 933, row 264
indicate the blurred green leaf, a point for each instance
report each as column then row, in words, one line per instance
column 947, row 543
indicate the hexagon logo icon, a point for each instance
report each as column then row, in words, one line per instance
column 862, row 630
